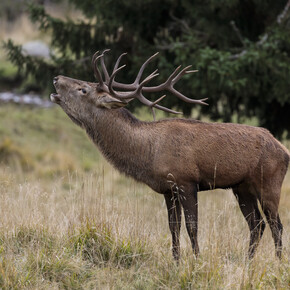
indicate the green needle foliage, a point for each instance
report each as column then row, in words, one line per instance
column 241, row 49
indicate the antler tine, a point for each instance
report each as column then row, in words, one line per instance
column 133, row 94
column 161, row 107
column 118, row 61
column 112, row 77
column 163, row 85
column 183, row 72
column 146, row 102
column 191, row 71
column 115, row 70
column 170, row 82
column 105, row 71
column 158, row 100
column 147, row 79
column 138, row 91
column 93, row 59
column 186, row 99
column 181, row 96
column 180, row 74
column 137, row 80
column 97, row 72
column 166, row 109
column 138, row 95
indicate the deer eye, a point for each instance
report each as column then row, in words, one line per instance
column 83, row 91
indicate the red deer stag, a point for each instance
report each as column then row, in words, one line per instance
column 179, row 157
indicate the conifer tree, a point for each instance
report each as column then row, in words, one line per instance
column 241, row 49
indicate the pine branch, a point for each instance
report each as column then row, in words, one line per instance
column 238, row 32
column 182, row 22
column 282, row 15
column 264, row 38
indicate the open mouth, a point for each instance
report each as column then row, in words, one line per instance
column 55, row 98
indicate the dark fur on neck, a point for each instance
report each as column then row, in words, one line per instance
column 120, row 137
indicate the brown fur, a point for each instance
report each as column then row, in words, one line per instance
column 179, row 157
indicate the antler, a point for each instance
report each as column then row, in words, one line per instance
column 135, row 90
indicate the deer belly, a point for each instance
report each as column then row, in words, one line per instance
column 223, row 175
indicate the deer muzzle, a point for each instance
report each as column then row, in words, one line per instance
column 55, row 97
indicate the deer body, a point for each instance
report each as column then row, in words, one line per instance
column 211, row 155
column 179, row 157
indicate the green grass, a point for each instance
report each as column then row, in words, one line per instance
column 70, row 221
column 7, row 70
column 45, row 139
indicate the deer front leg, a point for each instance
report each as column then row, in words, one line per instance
column 174, row 219
column 188, row 199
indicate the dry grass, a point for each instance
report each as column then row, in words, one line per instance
column 71, row 221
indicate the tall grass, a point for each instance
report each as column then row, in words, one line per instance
column 71, row 221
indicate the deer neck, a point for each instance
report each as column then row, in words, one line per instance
column 123, row 141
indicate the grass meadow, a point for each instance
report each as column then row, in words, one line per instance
column 70, row 221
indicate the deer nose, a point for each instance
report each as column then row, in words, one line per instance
column 55, row 79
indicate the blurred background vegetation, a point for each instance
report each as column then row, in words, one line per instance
column 241, row 49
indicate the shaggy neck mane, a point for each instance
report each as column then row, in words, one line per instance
column 121, row 138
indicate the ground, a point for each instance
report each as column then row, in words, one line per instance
column 69, row 220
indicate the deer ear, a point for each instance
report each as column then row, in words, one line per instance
column 110, row 102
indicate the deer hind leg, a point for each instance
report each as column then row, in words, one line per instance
column 249, row 207
column 174, row 219
column 269, row 200
column 271, row 213
column 188, row 199
column 270, row 189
